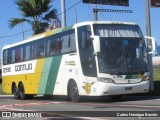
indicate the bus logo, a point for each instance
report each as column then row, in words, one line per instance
column 6, row 114
column 87, row 87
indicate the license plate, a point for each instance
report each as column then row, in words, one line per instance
column 128, row 88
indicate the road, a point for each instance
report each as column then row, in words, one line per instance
column 130, row 107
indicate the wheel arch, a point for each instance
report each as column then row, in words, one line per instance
column 20, row 83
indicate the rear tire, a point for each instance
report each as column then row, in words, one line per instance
column 21, row 92
column 16, row 92
column 73, row 92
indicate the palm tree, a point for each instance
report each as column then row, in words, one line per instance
column 35, row 12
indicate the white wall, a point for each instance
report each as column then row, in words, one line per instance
column 156, row 60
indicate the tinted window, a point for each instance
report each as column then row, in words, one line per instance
column 5, row 57
column 27, row 52
column 18, row 54
column 60, row 43
column 53, row 45
column 13, row 55
column 40, row 49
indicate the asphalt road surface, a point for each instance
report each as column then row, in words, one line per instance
column 101, row 108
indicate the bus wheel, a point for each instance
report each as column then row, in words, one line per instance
column 21, row 91
column 116, row 97
column 15, row 92
column 73, row 91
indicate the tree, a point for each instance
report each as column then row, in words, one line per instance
column 38, row 13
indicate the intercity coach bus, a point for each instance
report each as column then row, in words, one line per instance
column 95, row 58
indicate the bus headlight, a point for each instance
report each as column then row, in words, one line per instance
column 145, row 78
column 106, row 80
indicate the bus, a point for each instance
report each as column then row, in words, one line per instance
column 94, row 58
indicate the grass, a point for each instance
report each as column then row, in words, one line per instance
column 156, row 74
column 1, row 89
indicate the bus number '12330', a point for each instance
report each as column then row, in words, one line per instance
column 18, row 68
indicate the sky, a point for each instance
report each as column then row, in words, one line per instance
column 8, row 10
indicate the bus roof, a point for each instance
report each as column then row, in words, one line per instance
column 103, row 22
column 59, row 30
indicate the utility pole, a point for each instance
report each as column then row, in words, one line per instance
column 148, row 21
column 75, row 10
column 95, row 11
column 63, row 13
column 149, row 44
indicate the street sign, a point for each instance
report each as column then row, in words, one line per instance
column 108, row 2
column 112, row 10
column 155, row 3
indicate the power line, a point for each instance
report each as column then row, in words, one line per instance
column 15, row 34
column 70, row 7
column 31, row 29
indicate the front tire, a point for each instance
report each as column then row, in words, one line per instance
column 116, row 97
column 73, row 92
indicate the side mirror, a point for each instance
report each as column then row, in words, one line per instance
column 151, row 44
column 96, row 44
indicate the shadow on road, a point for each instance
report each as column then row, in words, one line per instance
column 103, row 99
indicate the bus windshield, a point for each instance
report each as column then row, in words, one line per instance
column 122, row 55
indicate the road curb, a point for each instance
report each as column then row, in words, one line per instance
column 6, row 95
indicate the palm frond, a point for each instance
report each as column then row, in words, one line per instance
column 15, row 21
column 32, row 3
column 30, row 8
column 39, row 11
column 25, row 7
column 51, row 15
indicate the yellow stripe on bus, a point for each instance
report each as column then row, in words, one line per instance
column 30, row 81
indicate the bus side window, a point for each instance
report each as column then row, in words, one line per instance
column 13, row 56
column 40, row 49
column 57, row 46
column 9, row 56
column 65, row 43
column 5, row 57
column 27, row 52
column 33, row 51
column 18, row 55
column 68, row 42
column 48, row 47
column 21, row 55
column 71, row 44
column 54, row 46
